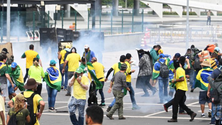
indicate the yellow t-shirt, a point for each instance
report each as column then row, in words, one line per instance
column 73, row 61
column 116, row 68
column 99, row 69
column 30, row 55
column 2, row 107
column 78, row 91
column 37, row 98
column 128, row 76
column 62, row 53
column 180, row 72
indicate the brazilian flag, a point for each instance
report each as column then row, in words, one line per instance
column 92, row 73
column 18, row 77
column 53, row 78
column 201, row 77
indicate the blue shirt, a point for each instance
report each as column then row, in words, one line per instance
column 92, row 54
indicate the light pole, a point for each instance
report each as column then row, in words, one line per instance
column 187, row 27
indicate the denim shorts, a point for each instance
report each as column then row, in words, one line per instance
column 10, row 89
column 203, row 97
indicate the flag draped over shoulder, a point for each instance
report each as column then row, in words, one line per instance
column 201, row 77
column 92, row 73
column 53, row 78
column 18, row 78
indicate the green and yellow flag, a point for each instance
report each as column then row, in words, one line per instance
column 53, row 78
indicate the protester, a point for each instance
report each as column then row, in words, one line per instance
column 2, row 110
column 61, row 57
column 145, row 74
column 161, row 73
column 208, row 17
column 53, row 84
column 78, row 99
column 94, row 115
column 120, row 83
column 4, row 75
column 33, row 101
column 99, row 70
column 202, row 82
column 73, row 60
column 17, row 76
column 9, row 59
column 181, row 88
column 88, row 54
column 128, row 81
column 36, row 72
column 154, row 53
column 30, row 55
column 21, row 112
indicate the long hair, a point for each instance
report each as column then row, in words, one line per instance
column 36, row 62
column 53, row 67
column 18, row 104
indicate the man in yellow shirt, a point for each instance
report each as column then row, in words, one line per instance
column 181, row 88
column 30, row 55
column 73, row 60
column 80, row 85
column 99, row 70
column 61, row 57
column 30, row 87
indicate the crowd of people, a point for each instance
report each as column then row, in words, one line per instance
column 77, row 75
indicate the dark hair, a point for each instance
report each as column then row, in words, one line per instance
column 128, row 56
column 122, row 58
column 176, row 64
column 182, row 60
column 158, row 46
column 154, row 46
column 83, row 59
column 192, row 46
column 2, row 57
column 96, row 113
column 36, row 59
column 74, row 49
column 188, row 49
column 31, row 46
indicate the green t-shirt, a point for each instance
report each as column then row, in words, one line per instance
column 21, row 116
column 36, row 73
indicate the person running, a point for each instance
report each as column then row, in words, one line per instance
column 61, row 57
column 118, row 91
column 208, row 17
column 4, row 75
column 73, row 60
column 181, row 88
column 30, row 55
column 80, row 84
column 30, row 87
column 128, row 81
column 53, row 84
column 22, row 114
column 88, row 54
column 202, row 82
column 99, row 70
column 94, row 115
column 145, row 73
column 36, row 72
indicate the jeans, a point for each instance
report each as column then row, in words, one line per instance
column 26, row 74
column 163, row 86
column 70, row 74
column 64, row 84
column 208, row 20
column 145, row 83
column 132, row 94
column 179, row 100
column 102, row 94
column 10, row 89
column 72, row 106
column 192, row 78
column 51, row 96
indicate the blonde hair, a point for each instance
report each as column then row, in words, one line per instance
column 36, row 63
column 18, row 104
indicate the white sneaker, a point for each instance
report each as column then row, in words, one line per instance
column 203, row 115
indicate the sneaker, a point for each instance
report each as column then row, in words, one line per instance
column 203, row 115
column 191, row 90
column 68, row 94
column 209, row 114
column 172, row 120
column 102, row 104
column 52, row 110
column 65, row 89
column 110, row 117
column 136, row 107
column 61, row 87
column 108, row 109
column 165, row 108
column 122, row 118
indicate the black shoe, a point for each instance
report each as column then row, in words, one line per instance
column 191, row 90
column 192, row 116
column 102, row 104
column 165, row 108
column 122, row 118
column 68, row 94
column 172, row 120
column 110, row 117
column 108, row 109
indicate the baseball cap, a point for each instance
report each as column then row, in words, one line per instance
column 177, row 55
column 86, row 46
column 52, row 62
column 14, row 64
column 5, row 50
column 79, row 70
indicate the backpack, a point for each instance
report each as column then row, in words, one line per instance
column 13, row 120
column 67, row 53
column 30, row 107
column 216, row 90
column 197, row 65
column 164, row 70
